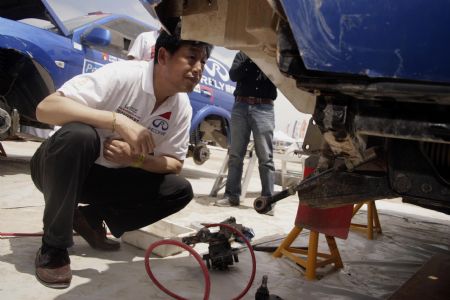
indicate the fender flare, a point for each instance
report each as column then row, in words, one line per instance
column 210, row 110
column 41, row 60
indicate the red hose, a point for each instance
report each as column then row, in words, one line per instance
column 30, row 234
column 17, row 234
column 191, row 251
column 200, row 261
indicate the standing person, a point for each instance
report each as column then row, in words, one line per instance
column 124, row 136
column 143, row 47
column 252, row 113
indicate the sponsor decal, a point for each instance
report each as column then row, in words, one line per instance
column 113, row 58
column 130, row 112
column 216, row 76
column 213, row 66
column 219, row 85
column 77, row 46
column 161, row 124
column 207, row 92
column 90, row 66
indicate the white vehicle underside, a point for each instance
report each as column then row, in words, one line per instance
column 247, row 25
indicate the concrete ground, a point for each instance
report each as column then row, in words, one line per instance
column 372, row 269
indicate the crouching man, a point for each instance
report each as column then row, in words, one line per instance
column 124, row 136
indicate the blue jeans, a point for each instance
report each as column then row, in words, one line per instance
column 245, row 119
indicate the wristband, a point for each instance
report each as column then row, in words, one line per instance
column 139, row 161
column 114, row 121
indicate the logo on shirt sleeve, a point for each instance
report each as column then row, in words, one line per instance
column 160, row 124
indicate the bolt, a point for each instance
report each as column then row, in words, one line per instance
column 401, row 183
column 426, row 188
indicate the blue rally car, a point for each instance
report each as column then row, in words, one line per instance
column 39, row 52
column 375, row 75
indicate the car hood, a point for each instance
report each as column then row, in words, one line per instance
column 26, row 9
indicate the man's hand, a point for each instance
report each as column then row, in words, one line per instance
column 119, row 152
column 137, row 136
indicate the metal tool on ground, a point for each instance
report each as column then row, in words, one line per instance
column 262, row 293
column 221, row 254
column 191, row 250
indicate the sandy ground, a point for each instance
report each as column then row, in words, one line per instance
column 372, row 269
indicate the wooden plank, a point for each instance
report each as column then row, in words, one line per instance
column 430, row 282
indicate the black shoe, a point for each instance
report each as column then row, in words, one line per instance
column 53, row 267
column 96, row 237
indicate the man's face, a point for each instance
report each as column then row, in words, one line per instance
column 185, row 67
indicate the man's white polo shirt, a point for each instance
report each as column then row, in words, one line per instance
column 126, row 87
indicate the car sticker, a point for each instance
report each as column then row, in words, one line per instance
column 90, row 66
column 77, row 46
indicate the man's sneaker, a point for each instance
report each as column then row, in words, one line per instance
column 53, row 267
column 227, row 202
column 96, row 237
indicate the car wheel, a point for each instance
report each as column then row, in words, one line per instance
column 200, row 154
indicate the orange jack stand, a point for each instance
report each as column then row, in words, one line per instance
column 373, row 222
column 332, row 222
column 310, row 262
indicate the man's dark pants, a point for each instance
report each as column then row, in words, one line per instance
column 63, row 169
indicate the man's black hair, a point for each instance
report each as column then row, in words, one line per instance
column 173, row 42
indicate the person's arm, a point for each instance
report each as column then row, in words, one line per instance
column 238, row 69
column 120, row 152
column 162, row 164
column 56, row 109
column 135, row 51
